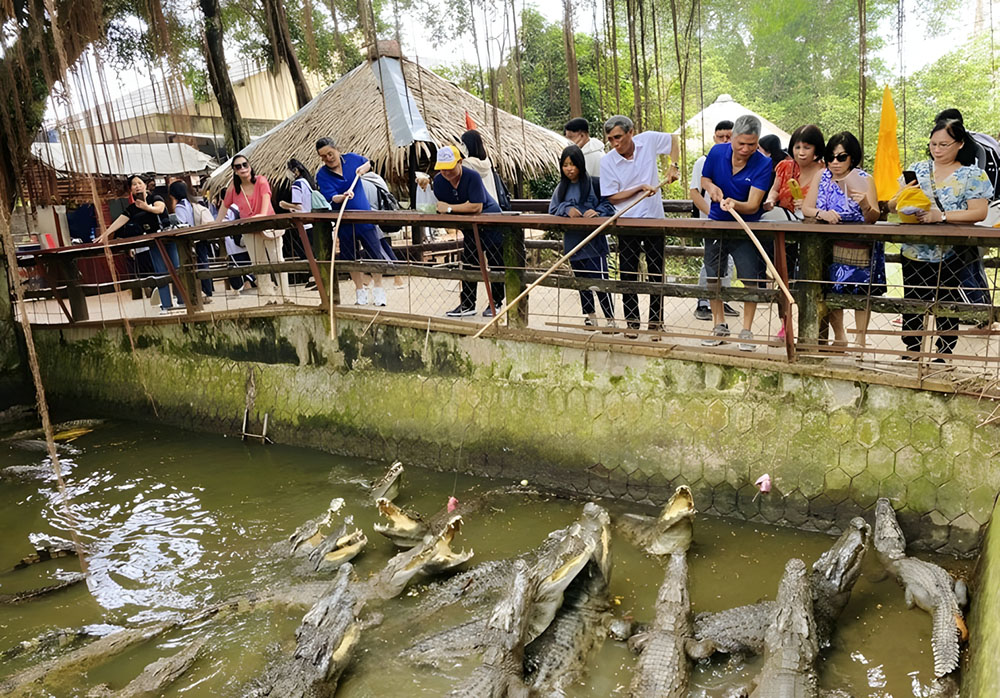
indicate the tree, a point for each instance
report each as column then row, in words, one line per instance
column 236, row 134
column 569, row 41
column 280, row 40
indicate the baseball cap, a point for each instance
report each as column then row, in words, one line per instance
column 447, row 157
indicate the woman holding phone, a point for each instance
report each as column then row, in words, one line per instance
column 844, row 193
column 251, row 193
column 960, row 191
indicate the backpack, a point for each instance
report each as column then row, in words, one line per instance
column 383, row 200
column 503, row 195
column 202, row 216
column 991, row 162
column 319, row 202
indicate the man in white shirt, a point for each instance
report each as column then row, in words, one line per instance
column 578, row 131
column 628, row 170
column 723, row 134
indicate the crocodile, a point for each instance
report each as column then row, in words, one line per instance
column 554, row 564
column 669, row 532
column 560, row 656
column 63, row 431
column 387, row 486
column 337, row 548
column 407, row 528
column 501, row 674
column 431, row 556
column 741, row 630
column 46, row 548
column 309, row 535
column 926, row 585
column 325, row 644
column 662, row 669
column 790, row 643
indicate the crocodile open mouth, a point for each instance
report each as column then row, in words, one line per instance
column 681, row 504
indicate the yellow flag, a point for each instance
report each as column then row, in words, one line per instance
column 887, row 167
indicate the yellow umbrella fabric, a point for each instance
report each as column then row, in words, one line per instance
column 887, row 167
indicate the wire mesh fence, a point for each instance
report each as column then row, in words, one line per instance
column 931, row 318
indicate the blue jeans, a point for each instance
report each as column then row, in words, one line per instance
column 203, row 248
column 593, row 268
column 160, row 267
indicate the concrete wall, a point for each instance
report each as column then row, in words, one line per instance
column 596, row 422
column 13, row 372
column 983, row 675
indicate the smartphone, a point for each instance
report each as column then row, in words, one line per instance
column 909, row 177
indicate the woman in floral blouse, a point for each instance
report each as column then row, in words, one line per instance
column 960, row 192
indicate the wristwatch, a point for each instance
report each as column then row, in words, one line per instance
column 449, row 210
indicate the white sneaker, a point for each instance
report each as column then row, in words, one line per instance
column 379, row 296
column 362, row 298
column 744, row 345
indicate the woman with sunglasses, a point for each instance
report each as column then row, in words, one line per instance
column 844, row 193
column 252, row 195
column 145, row 215
column 961, row 192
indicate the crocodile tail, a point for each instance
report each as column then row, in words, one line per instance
column 944, row 640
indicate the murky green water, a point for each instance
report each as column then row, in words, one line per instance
column 174, row 521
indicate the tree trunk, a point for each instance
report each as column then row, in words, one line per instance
column 630, row 6
column 569, row 41
column 614, row 57
column 237, row 136
column 281, row 44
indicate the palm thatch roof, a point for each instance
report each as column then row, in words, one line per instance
column 352, row 112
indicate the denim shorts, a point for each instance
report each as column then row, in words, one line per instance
column 749, row 264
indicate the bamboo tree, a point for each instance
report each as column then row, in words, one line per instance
column 569, row 40
column 682, row 51
column 634, row 64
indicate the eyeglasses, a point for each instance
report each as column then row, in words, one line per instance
column 241, row 166
column 941, row 146
column 839, row 157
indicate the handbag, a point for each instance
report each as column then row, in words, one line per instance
column 273, row 234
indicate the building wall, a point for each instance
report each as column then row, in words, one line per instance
column 597, row 422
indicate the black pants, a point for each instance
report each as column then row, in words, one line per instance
column 931, row 281
column 493, row 251
column 629, row 247
column 593, row 268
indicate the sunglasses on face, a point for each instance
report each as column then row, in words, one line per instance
column 839, row 157
column 241, row 166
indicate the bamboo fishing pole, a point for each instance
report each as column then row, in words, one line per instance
column 333, row 249
column 764, row 255
column 562, row 260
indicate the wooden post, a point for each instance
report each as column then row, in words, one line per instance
column 784, row 307
column 304, row 238
column 514, row 261
column 812, row 307
column 322, row 250
column 77, row 300
column 169, row 264
column 484, row 268
column 190, row 282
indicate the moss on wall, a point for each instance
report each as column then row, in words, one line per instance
column 599, row 423
column 983, row 675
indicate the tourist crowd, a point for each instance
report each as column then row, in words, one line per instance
column 815, row 180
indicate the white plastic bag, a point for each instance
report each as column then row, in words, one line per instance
column 426, row 202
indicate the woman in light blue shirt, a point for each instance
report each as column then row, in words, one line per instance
column 960, row 192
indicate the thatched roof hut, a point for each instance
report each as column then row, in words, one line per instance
column 354, row 113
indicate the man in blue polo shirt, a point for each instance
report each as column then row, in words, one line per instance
column 334, row 181
column 736, row 177
column 460, row 190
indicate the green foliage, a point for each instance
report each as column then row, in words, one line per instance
column 962, row 78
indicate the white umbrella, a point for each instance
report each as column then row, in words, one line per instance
column 723, row 108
